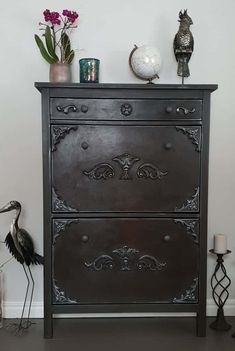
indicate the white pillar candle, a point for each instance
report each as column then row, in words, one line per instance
column 220, row 243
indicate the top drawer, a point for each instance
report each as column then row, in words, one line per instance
column 115, row 109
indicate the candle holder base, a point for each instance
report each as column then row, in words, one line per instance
column 220, row 322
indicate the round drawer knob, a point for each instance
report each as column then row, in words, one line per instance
column 84, row 145
column 84, row 108
column 169, row 109
column 167, row 238
column 168, row 146
column 85, row 238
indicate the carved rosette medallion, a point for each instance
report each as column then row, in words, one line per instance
column 60, row 205
column 191, row 205
column 191, row 227
column 58, row 133
column 193, row 133
column 60, row 296
column 190, row 295
column 125, row 259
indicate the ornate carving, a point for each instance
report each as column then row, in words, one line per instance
column 128, row 260
column 59, row 295
column 60, row 225
column 185, row 110
column 126, row 161
column 66, row 109
column 193, row 134
column 125, row 254
column 191, row 227
column 191, row 205
column 101, row 263
column 148, row 170
column 190, row 294
column 126, row 109
column 100, row 171
column 60, row 205
column 147, row 262
column 58, row 133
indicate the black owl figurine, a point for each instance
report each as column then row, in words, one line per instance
column 183, row 44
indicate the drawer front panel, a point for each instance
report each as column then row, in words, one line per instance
column 109, row 109
column 125, row 168
column 125, row 260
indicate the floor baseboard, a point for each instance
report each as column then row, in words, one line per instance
column 13, row 310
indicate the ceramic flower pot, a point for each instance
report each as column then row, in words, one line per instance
column 60, row 73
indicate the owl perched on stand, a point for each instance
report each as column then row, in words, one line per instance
column 183, row 44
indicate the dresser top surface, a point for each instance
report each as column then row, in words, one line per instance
column 45, row 85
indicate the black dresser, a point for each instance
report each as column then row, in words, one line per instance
column 125, row 198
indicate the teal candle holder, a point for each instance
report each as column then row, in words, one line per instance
column 89, row 70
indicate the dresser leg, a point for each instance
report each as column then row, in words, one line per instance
column 48, row 326
column 201, row 324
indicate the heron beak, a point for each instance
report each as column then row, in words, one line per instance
column 6, row 208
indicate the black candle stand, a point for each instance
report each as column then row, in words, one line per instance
column 219, row 284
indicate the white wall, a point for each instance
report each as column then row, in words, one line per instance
column 108, row 30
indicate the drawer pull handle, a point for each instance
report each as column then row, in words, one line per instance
column 85, row 238
column 168, row 146
column 167, row 238
column 67, row 109
column 84, row 145
column 169, row 109
column 84, row 108
column 126, row 109
column 185, row 110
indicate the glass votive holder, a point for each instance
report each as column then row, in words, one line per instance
column 89, row 70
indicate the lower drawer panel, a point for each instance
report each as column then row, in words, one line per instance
column 125, row 261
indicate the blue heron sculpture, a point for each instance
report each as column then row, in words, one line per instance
column 20, row 245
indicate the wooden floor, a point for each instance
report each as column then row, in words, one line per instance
column 142, row 334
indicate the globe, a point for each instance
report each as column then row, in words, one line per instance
column 145, row 62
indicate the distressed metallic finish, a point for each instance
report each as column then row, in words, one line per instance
column 183, row 44
column 194, row 134
column 190, row 295
column 58, row 133
column 191, row 227
column 59, row 204
column 191, row 205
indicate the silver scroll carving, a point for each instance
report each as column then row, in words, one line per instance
column 125, row 161
column 125, row 259
column 191, row 227
column 190, row 205
column 60, row 205
column 58, row 133
column 190, row 295
column 194, row 134
column 100, row 171
column 59, row 295
column 148, row 170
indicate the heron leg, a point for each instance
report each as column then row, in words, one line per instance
column 28, row 323
column 26, row 294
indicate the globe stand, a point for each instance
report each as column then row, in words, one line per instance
column 220, row 293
